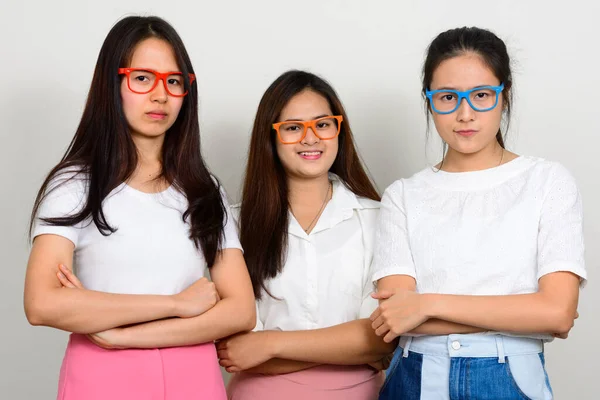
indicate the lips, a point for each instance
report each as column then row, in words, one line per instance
column 157, row 114
column 466, row 132
column 310, row 155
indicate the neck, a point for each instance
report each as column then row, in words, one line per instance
column 307, row 192
column 149, row 152
column 489, row 157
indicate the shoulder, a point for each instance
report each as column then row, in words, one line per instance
column 549, row 175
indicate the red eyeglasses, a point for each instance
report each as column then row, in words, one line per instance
column 143, row 80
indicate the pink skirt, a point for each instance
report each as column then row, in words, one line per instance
column 326, row 382
column 89, row 372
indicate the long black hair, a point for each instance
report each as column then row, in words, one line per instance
column 103, row 151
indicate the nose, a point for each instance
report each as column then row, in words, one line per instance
column 159, row 93
column 310, row 138
column 465, row 112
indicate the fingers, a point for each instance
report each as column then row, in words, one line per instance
column 382, row 330
column 64, row 281
column 377, row 323
column 382, row 294
column 375, row 314
column 70, row 276
column 389, row 337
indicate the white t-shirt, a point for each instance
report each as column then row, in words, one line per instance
column 490, row 232
column 326, row 279
column 150, row 253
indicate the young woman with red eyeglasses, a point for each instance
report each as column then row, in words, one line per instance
column 133, row 208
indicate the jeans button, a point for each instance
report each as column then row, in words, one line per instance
column 456, row 345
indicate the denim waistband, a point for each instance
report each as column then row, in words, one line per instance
column 471, row 345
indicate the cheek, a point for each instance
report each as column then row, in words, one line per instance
column 176, row 105
column 284, row 151
column 130, row 101
column 444, row 124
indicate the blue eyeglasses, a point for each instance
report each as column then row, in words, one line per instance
column 446, row 101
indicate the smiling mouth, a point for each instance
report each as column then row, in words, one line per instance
column 310, row 155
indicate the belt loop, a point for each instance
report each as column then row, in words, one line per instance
column 407, row 346
column 500, row 347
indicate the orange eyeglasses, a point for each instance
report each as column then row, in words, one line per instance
column 325, row 128
column 143, row 80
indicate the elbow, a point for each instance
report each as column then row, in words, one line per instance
column 248, row 320
column 35, row 313
column 562, row 321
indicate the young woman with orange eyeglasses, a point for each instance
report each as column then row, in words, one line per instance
column 307, row 222
column 133, row 208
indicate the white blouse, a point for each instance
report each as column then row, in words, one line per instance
column 490, row 232
column 150, row 253
column 326, row 279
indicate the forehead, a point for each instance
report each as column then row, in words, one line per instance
column 305, row 105
column 462, row 73
column 154, row 53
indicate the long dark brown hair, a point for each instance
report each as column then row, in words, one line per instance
column 103, row 153
column 264, row 212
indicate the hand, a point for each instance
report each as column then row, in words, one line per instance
column 244, row 351
column 400, row 311
column 383, row 364
column 198, row 298
column 565, row 335
column 108, row 339
column 67, row 278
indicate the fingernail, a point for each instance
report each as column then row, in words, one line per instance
column 60, row 274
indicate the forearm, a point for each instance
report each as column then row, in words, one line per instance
column 277, row 366
column 351, row 343
column 526, row 313
column 87, row 311
column 226, row 318
column 440, row 327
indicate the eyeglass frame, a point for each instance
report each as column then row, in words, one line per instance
column 309, row 124
column 160, row 76
column 464, row 95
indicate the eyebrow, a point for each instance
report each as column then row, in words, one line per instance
column 302, row 120
column 452, row 88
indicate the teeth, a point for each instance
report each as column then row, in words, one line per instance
column 310, row 153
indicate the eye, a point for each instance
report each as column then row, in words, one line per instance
column 447, row 96
column 174, row 81
column 323, row 124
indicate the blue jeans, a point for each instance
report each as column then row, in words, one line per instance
column 457, row 367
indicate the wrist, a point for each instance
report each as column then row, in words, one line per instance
column 120, row 338
column 431, row 305
column 172, row 306
column 273, row 343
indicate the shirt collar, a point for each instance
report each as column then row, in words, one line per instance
column 340, row 208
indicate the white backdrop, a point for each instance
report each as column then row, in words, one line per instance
column 371, row 51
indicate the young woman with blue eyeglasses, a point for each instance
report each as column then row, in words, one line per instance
column 479, row 260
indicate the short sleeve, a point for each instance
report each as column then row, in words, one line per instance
column 259, row 323
column 65, row 196
column 392, row 254
column 368, row 220
column 560, row 235
column 231, row 236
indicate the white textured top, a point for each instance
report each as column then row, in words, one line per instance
column 326, row 279
column 150, row 253
column 490, row 232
